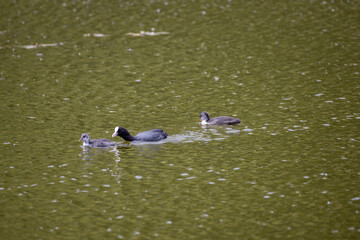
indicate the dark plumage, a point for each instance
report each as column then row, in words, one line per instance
column 153, row 135
column 223, row 120
column 96, row 142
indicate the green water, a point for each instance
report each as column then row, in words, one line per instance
column 288, row 70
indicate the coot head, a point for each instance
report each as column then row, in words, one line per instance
column 85, row 137
column 118, row 131
column 204, row 116
column 123, row 133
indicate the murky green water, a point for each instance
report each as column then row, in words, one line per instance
column 289, row 71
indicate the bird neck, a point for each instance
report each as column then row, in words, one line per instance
column 126, row 135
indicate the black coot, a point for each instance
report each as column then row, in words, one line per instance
column 153, row 135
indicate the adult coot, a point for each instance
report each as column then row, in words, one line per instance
column 152, row 135
column 96, row 142
column 205, row 119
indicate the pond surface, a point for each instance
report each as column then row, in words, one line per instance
column 288, row 70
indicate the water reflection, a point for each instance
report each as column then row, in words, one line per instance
column 144, row 33
column 189, row 136
column 223, row 131
column 89, row 152
column 97, row 35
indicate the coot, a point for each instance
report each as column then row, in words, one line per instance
column 205, row 119
column 153, row 135
column 96, row 142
